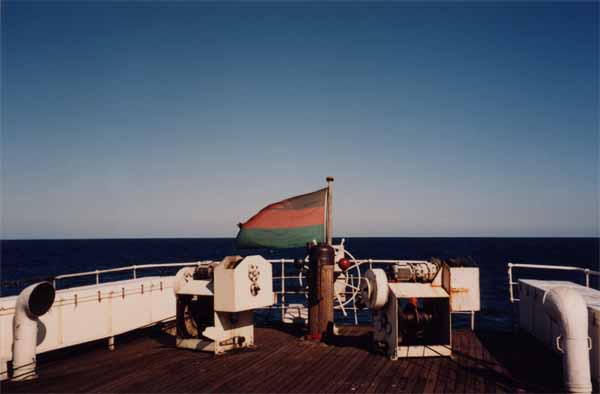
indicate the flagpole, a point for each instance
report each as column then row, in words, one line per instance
column 329, row 223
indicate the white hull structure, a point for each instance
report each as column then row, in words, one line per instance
column 88, row 313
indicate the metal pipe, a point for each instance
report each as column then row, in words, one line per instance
column 567, row 307
column 282, row 289
column 131, row 267
column 34, row 301
column 329, row 227
column 587, row 277
column 554, row 267
column 510, row 283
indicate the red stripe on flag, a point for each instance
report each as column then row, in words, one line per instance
column 271, row 217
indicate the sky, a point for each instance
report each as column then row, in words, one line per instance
column 181, row 119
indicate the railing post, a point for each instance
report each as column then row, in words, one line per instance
column 472, row 320
column 282, row 288
column 587, row 277
column 97, row 277
column 134, row 272
column 510, row 282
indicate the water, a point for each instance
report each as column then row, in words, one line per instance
column 27, row 259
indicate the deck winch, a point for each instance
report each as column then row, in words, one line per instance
column 216, row 302
column 413, row 301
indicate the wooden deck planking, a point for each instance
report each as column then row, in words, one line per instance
column 347, row 364
column 319, row 371
column 393, row 384
column 283, row 362
column 351, row 368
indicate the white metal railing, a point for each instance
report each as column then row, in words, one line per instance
column 282, row 278
column 358, row 263
column 133, row 268
column 586, row 272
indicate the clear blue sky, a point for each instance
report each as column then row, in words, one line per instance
column 183, row 119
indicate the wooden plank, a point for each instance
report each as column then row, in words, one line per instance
column 418, row 375
column 433, row 375
column 279, row 374
column 323, row 364
column 303, row 362
column 365, row 367
column 461, row 373
column 236, row 379
column 283, row 363
column 394, row 383
column 356, row 368
column 376, row 368
column 347, row 364
column 390, row 370
column 447, row 376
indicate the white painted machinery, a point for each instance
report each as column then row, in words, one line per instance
column 216, row 302
column 413, row 301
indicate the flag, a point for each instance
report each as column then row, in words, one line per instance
column 286, row 224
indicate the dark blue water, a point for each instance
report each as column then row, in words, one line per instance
column 39, row 259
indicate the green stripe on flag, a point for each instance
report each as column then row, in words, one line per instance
column 279, row 238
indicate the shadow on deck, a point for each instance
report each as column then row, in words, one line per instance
column 147, row 361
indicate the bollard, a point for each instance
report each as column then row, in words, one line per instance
column 320, row 300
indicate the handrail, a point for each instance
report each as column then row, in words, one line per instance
column 586, row 271
column 282, row 278
column 133, row 268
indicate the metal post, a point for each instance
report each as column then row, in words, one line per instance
column 97, row 277
column 282, row 288
column 472, row 320
column 111, row 343
column 353, row 281
column 587, row 277
column 134, row 272
column 510, row 282
column 329, row 224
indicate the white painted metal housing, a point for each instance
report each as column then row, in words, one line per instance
column 227, row 293
column 234, row 280
column 464, row 289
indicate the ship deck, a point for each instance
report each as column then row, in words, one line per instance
column 148, row 362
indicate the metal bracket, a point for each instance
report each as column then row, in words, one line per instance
column 560, row 349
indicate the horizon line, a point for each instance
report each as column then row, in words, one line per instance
column 335, row 237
